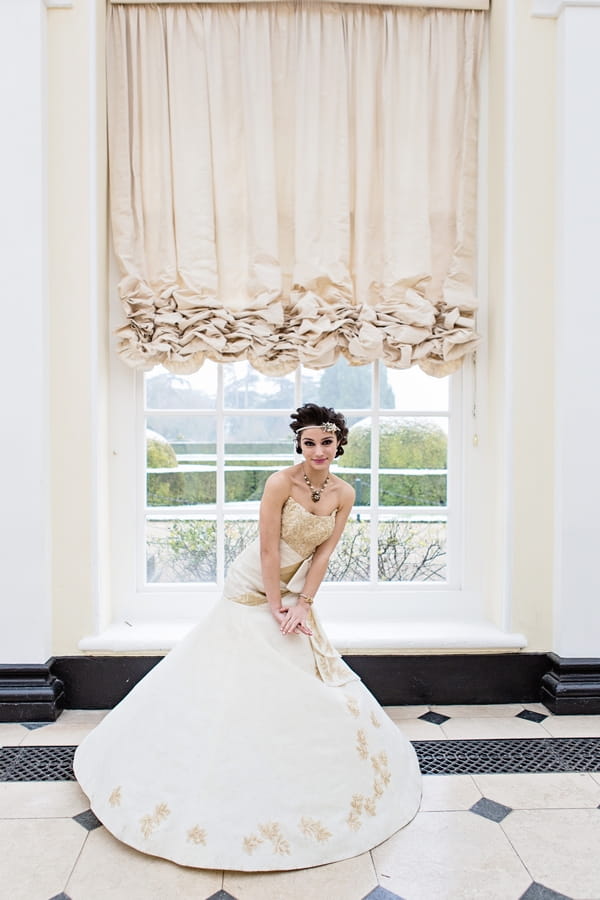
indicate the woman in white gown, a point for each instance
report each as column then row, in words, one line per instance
column 252, row 746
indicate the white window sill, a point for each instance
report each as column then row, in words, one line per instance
column 349, row 637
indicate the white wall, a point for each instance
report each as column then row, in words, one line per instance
column 24, row 446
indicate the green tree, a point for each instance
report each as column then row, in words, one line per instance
column 403, row 444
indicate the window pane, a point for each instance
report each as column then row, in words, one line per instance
column 166, row 390
column 181, row 472
column 350, row 559
column 411, row 550
column 255, row 446
column 411, row 390
column 342, row 386
column 354, row 465
column 181, row 550
column 412, row 461
column 239, row 532
column 191, row 437
column 245, row 388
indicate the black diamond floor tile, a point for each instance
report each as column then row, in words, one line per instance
column 531, row 716
column 62, row 896
column 221, row 895
column 381, row 893
column 434, row 718
column 32, row 726
column 87, row 820
column 537, row 891
column 489, row 809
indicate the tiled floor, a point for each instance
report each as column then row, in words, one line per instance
column 508, row 836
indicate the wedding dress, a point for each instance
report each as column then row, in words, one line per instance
column 249, row 750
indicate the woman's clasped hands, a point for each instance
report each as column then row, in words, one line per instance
column 292, row 619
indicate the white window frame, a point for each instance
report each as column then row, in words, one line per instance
column 132, row 599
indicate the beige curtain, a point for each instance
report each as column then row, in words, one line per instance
column 291, row 182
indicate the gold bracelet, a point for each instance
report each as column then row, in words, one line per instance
column 306, row 598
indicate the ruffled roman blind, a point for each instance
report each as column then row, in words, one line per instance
column 294, row 181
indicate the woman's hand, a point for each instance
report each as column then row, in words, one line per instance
column 292, row 619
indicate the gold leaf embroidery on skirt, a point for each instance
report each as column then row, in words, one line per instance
column 272, row 832
column 357, row 802
column 353, row 707
column 361, row 744
column 313, row 828
column 196, row 835
column 380, row 764
column 251, row 842
column 375, row 720
column 115, row 797
column 370, row 806
column 149, row 823
column 354, row 821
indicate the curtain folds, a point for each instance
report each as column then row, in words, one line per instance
column 292, row 182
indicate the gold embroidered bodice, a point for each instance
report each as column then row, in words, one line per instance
column 302, row 530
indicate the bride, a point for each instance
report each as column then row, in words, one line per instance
column 252, row 746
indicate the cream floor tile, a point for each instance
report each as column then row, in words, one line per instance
column 406, row 712
column 596, row 776
column 475, row 711
column 451, row 856
column 541, row 790
column 489, row 727
column 41, row 800
column 54, row 735
column 108, row 868
column 90, row 717
column 448, row 792
column 350, row 879
column 573, row 726
column 37, row 856
column 418, row 730
column 11, row 734
column 559, row 847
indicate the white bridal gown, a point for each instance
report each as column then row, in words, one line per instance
column 250, row 750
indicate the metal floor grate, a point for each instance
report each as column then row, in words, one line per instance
column 36, row 763
column 509, row 756
column 435, row 757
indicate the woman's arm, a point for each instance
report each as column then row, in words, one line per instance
column 276, row 492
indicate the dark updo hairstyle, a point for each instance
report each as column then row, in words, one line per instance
column 312, row 415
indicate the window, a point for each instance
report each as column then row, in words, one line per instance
column 214, row 437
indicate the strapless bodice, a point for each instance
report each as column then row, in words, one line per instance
column 302, row 530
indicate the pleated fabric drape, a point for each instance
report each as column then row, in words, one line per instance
column 290, row 182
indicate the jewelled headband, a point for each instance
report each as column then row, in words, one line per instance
column 326, row 426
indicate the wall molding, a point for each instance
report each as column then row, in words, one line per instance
column 100, row 682
column 38, row 693
column 30, row 693
column 572, row 686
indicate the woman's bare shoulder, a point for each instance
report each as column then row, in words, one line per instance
column 280, row 483
column 347, row 493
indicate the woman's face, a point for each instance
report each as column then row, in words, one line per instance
column 318, row 447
